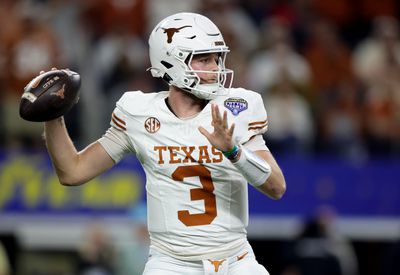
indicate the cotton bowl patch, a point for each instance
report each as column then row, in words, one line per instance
column 236, row 105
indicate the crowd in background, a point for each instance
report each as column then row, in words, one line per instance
column 329, row 70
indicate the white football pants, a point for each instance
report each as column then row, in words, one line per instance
column 243, row 263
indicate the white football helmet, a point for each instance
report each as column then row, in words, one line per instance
column 174, row 42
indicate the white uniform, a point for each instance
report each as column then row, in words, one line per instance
column 197, row 201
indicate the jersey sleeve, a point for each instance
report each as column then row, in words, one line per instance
column 116, row 141
column 118, row 118
column 257, row 122
column 256, row 143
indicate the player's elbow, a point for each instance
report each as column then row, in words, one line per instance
column 274, row 189
column 278, row 191
column 70, row 183
column 277, row 185
column 70, row 180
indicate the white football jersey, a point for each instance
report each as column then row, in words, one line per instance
column 197, row 201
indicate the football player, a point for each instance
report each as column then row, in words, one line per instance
column 200, row 144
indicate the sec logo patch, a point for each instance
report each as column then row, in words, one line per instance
column 152, row 125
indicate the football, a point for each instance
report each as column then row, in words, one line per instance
column 50, row 95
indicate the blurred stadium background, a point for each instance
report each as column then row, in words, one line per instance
column 329, row 72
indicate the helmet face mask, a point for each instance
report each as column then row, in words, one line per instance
column 224, row 78
column 173, row 44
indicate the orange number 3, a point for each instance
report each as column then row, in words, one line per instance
column 205, row 193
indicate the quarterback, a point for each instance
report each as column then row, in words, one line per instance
column 200, row 144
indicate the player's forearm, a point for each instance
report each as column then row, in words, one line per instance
column 260, row 170
column 61, row 150
column 275, row 185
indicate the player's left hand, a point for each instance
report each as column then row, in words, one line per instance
column 221, row 137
